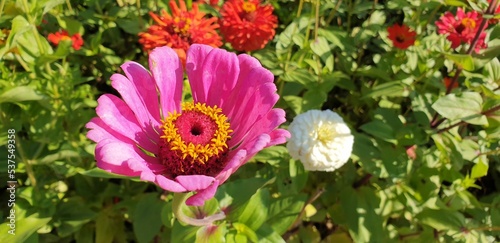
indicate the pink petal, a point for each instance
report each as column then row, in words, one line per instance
column 195, row 182
column 118, row 116
column 100, row 131
column 138, row 90
column 168, row 184
column 194, row 67
column 254, row 107
column 220, row 73
column 278, row 136
column 167, row 73
column 248, row 65
column 270, row 122
column 200, row 197
column 114, row 156
column 235, row 158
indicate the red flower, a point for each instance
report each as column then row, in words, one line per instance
column 462, row 28
column 180, row 30
column 447, row 83
column 247, row 25
column 401, row 36
column 76, row 39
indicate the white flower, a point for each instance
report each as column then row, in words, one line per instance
column 320, row 139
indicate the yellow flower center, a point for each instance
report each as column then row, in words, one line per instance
column 249, row 7
column 326, row 133
column 469, row 23
column 196, row 135
column 182, row 25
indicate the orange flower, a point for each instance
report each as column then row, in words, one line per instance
column 180, row 30
column 76, row 39
column 247, row 25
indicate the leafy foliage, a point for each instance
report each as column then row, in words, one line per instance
column 425, row 164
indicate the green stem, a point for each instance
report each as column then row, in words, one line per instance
column 27, row 162
column 33, row 27
column 2, row 4
column 179, row 201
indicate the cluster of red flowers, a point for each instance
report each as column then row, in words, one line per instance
column 76, row 39
column 247, row 25
column 462, row 28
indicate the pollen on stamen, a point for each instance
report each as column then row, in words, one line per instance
column 195, row 140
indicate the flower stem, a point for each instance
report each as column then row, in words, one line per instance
column 179, row 201
column 486, row 113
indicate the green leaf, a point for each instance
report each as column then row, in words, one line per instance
column 19, row 94
column 254, row 212
column 380, row 130
column 245, row 230
column 272, row 155
column 479, row 170
column 47, row 6
column 24, row 228
column 466, row 107
column 233, row 194
column 60, row 155
column 442, row 219
column 321, row 48
column 71, row 219
column 96, row 172
column 359, row 207
column 266, row 234
column 464, row 61
column 109, row 225
column 184, row 233
column 130, row 26
column 284, row 211
column 211, row 233
column 390, row 89
column 147, row 220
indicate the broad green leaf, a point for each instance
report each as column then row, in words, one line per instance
column 254, row 212
column 462, row 60
column 131, row 26
column 321, row 48
column 359, row 207
column 71, row 220
column 233, row 194
column 109, row 225
column 267, row 235
column 47, row 6
column 284, row 211
column 184, row 233
column 442, row 219
column 380, row 130
column 466, row 107
column 272, row 155
column 19, row 94
column 147, row 220
column 479, row 170
column 24, row 228
column 211, row 233
column 390, row 89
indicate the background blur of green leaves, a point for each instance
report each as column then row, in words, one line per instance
column 407, row 181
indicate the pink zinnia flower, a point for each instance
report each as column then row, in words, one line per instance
column 190, row 146
column 462, row 28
